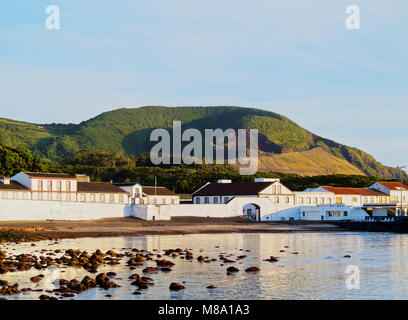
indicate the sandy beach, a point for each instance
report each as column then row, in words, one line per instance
column 111, row 227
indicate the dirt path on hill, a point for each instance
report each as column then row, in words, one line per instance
column 182, row 225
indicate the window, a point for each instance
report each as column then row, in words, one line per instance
column 339, row 200
column 287, row 200
column 304, row 213
column 215, row 199
column 68, row 186
column 314, row 200
column 321, row 200
column 225, row 199
column 102, row 198
column 59, row 196
column 121, row 198
column 345, row 213
column 40, row 185
column 354, row 199
column 279, row 189
column 334, row 213
column 197, row 200
column 277, row 199
column 15, row 196
column 49, row 185
column 92, row 198
column 25, row 195
column 40, row 196
column 308, row 200
column 329, row 200
column 300, row 200
column 163, row 201
column 207, row 200
column 111, row 198
column 273, row 189
column 173, row 201
column 49, row 196
column 58, row 185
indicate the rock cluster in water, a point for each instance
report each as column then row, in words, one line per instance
column 133, row 258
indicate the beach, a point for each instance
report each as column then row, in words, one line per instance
column 112, row 227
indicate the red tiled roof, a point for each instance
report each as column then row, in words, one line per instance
column 354, row 191
column 98, row 187
column 232, row 189
column 393, row 185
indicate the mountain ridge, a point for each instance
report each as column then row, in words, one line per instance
column 127, row 130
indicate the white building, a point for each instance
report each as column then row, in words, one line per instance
column 397, row 192
column 149, row 194
column 60, row 187
column 270, row 200
column 225, row 190
column 355, row 196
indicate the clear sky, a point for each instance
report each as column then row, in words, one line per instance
column 294, row 57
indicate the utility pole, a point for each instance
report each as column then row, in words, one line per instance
column 401, row 168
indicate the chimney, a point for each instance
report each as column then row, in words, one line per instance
column 6, row 180
column 82, row 178
column 224, row 181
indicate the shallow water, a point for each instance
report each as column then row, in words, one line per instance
column 318, row 271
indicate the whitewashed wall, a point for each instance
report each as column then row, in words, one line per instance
column 166, row 212
column 28, row 210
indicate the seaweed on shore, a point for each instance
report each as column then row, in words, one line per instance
column 18, row 237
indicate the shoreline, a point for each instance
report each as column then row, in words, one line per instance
column 116, row 227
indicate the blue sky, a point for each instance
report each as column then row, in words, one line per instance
column 294, row 57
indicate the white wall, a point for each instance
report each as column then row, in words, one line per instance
column 28, row 210
column 338, row 212
column 165, row 212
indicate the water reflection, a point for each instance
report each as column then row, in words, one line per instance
column 312, row 266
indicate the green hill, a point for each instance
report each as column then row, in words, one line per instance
column 284, row 145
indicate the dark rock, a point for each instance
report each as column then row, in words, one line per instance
column 101, row 278
column 150, row 269
column 174, row 286
column 36, row 279
column 211, row 287
column 232, row 269
column 272, row 259
column 88, row 282
column 252, row 269
column 142, row 284
column 4, row 283
column 164, row 263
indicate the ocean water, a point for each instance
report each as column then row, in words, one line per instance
column 317, row 271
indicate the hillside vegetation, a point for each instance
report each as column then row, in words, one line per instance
column 105, row 166
column 284, row 145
